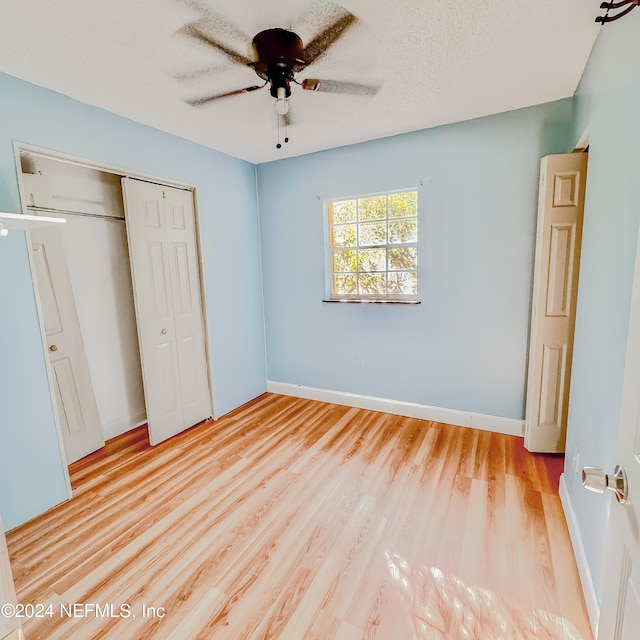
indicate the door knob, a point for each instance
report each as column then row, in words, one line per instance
column 53, row 348
column 595, row 479
column 163, row 332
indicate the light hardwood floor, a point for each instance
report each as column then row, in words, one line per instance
column 301, row 520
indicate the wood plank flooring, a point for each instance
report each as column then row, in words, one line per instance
column 301, row 520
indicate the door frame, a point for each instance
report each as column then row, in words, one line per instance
column 19, row 147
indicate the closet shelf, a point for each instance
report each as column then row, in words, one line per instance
column 25, row 221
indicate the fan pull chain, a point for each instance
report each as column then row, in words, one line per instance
column 278, row 146
column 286, row 131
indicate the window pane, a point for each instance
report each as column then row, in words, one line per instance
column 345, row 260
column 373, row 245
column 373, row 208
column 403, row 204
column 403, row 230
column 403, row 282
column 372, row 283
column 403, row 259
column 373, row 233
column 343, row 235
column 345, row 284
column 342, row 211
column 372, row 259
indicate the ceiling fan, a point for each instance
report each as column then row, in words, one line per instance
column 278, row 55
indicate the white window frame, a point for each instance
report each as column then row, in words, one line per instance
column 407, row 298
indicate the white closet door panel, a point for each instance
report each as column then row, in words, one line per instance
column 75, row 399
column 187, row 307
column 154, row 315
column 161, row 230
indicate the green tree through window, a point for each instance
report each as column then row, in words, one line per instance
column 373, row 247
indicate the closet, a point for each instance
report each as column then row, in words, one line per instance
column 96, row 249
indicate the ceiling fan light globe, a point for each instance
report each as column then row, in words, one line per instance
column 282, row 106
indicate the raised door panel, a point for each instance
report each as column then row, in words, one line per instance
column 553, row 370
column 566, row 188
column 159, row 281
column 166, row 367
column 48, row 301
column 560, row 272
column 73, row 422
column 184, row 298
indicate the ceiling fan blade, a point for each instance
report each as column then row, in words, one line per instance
column 187, row 76
column 327, row 37
column 197, row 102
column 335, row 86
column 195, row 30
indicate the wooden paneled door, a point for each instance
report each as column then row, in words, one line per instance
column 71, row 379
column 169, row 310
column 553, row 311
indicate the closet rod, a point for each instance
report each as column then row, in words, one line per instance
column 102, row 216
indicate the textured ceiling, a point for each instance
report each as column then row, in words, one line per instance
column 435, row 61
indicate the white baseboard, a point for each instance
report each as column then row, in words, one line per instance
column 590, row 598
column 507, row 426
column 122, row 425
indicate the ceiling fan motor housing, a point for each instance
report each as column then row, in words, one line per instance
column 278, row 55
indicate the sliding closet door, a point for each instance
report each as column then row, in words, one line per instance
column 162, row 248
column 75, row 397
column 187, row 305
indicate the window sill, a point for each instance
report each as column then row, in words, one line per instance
column 372, row 301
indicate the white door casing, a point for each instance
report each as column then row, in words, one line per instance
column 553, row 310
column 74, row 395
column 169, row 314
column 620, row 608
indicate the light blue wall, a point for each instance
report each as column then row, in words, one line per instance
column 608, row 101
column 465, row 346
column 227, row 205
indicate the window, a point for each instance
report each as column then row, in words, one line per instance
column 373, row 248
